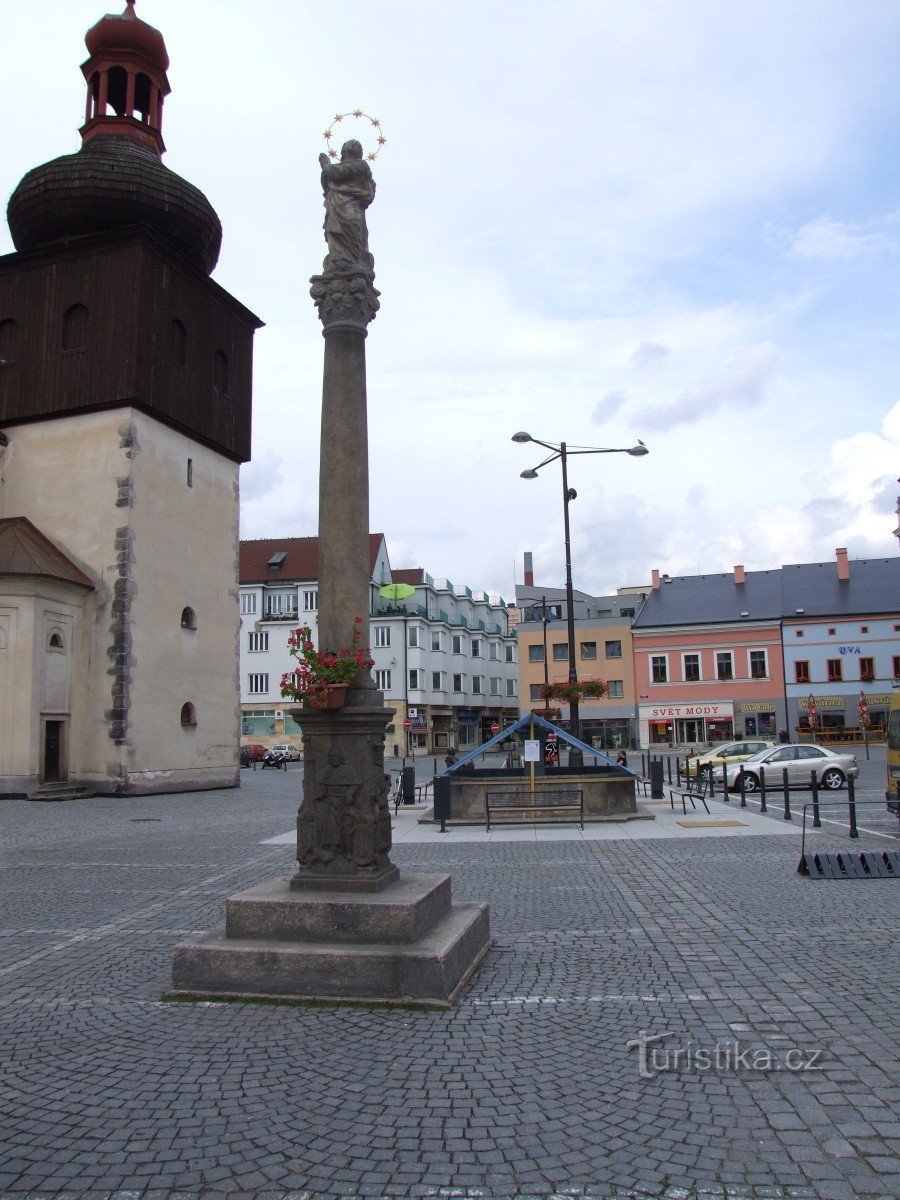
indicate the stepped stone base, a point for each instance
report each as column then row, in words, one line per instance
column 61, row 791
column 406, row 944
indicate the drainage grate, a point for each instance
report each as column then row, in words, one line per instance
column 861, row 864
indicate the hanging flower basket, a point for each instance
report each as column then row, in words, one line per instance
column 573, row 692
column 335, row 696
column 322, row 677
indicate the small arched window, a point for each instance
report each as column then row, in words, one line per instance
column 9, row 338
column 220, row 373
column 117, row 91
column 188, row 716
column 188, row 619
column 178, row 344
column 74, row 330
column 55, row 642
column 142, row 89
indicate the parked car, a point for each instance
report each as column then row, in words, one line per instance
column 801, row 759
column 725, row 755
column 252, row 754
column 291, row 753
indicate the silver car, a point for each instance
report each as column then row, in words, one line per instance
column 801, row 759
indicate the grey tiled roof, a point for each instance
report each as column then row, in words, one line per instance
column 873, row 587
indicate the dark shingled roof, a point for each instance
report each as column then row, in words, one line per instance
column 414, row 576
column 301, row 559
column 24, row 550
column 873, row 587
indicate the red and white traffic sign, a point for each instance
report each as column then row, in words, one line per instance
column 495, row 728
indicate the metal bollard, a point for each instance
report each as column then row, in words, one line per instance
column 851, row 800
column 787, row 794
column 678, row 770
column 740, row 781
column 669, row 770
column 762, row 789
column 814, row 784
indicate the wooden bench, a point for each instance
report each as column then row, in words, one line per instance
column 697, row 789
column 547, row 804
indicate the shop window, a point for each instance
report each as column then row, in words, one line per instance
column 188, row 619
column 834, row 670
column 867, row 669
column 801, row 671
column 74, row 327
column 188, row 716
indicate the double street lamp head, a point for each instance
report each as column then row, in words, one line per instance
column 563, row 451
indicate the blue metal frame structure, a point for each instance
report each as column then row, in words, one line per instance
column 539, row 723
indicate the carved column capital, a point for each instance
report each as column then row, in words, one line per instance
column 345, row 299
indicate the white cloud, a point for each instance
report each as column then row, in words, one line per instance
column 741, row 383
column 827, row 240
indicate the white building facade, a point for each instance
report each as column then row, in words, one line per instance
column 444, row 657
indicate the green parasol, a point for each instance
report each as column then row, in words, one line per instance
column 397, row 591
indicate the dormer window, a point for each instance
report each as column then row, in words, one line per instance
column 276, row 562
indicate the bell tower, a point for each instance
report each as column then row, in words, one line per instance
column 125, row 403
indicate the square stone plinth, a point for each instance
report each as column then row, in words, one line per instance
column 403, row 913
column 406, row 945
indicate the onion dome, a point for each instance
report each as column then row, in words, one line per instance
column 127, row 34
column 117, row 178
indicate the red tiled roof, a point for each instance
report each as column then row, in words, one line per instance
column 301, row 558
column 411, row 575
column 24, row 550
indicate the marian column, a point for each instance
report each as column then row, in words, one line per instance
column 343, row 826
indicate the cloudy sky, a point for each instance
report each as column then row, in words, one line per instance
column 596, row 220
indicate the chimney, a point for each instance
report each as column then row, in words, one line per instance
column 529, row 570
column 843, row 566
column 739, row 576
column 654, row 577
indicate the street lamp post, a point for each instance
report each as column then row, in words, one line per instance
column 561, row 452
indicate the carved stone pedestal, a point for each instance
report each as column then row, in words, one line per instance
column 405, row 945
column 345, row 927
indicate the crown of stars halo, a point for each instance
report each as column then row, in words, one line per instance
column 358, row 114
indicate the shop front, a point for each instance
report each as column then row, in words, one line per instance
column 688, row 724
column 756, row 718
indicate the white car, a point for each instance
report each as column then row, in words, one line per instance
column 291, row 753
column 801, row 759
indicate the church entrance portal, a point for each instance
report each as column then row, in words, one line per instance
column 54, row 766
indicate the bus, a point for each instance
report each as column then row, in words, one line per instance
column 892, row 792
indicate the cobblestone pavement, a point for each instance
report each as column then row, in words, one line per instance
column 527, row 1087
